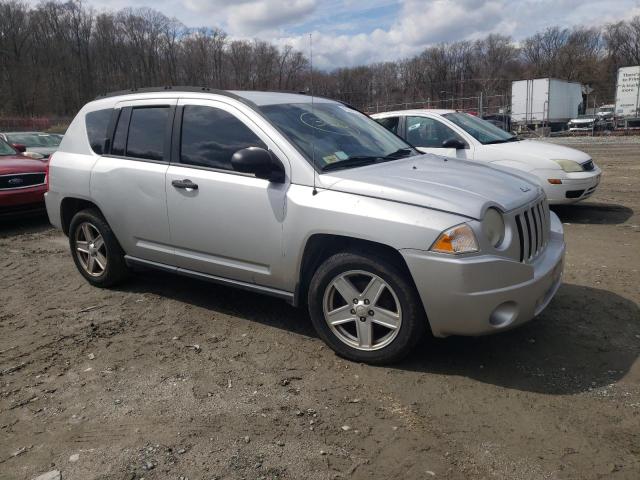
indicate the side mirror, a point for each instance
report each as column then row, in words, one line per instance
column 454, row 143
column 260, row 162
column 19, row 147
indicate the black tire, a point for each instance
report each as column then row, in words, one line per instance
column 116, row 269
column 413, row 327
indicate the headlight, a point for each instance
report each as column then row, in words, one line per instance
column 569, row 165
column 34, row 155
column 493, row 226
column 456, row 240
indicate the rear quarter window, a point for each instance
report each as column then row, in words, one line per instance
column 97, row 123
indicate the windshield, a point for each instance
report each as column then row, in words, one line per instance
column 336, row 136
column 34, row 139
column 483, row 131
column 6, row 149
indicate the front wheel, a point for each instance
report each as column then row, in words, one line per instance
column 366, row 309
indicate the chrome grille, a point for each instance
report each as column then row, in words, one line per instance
column 533, row 225
column 21, row 180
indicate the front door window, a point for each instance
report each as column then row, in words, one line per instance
column 428, row 133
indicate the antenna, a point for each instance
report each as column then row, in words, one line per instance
column 313, row 112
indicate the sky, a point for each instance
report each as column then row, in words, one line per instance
column 355, row 32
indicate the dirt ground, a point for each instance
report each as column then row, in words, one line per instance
column 167, row 377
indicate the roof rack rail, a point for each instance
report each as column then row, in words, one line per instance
column 205, row 89
column 165, row 88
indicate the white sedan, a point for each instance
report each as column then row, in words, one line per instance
column 566, row 175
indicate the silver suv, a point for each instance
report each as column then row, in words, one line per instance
column 308, row 200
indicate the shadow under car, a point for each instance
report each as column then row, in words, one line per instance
column 587, row 337
column 594, row 213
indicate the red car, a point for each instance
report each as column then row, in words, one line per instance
column 23, row 182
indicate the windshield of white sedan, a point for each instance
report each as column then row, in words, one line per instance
column 483, row 131
column 34, row 140
column 5, row 149
column 335, row 136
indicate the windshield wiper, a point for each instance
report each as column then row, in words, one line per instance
column 493, row 142
column 362, row 160
column 400, row 153
column 351, row 162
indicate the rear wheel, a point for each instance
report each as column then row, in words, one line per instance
column 95, row 249
column 366, row 309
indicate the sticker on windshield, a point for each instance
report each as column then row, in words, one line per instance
column 330, row 159
column 336, row 126
column 341, row 155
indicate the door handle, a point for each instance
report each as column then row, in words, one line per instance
column 186, row 183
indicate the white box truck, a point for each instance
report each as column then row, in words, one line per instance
column 627, row 110
column 545, row 102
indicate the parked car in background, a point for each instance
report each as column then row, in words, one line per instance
column 308, row 200
column 23, row 182
column 590, row 123
column 33, row 142
column 500, row 120
column 566, row 175
column 584, row 123
column 57, row 136
column 606, row 112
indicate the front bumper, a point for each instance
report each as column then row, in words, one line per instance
column 581, row 129
column 486, row 294
column 23, row 201
column 578, row 186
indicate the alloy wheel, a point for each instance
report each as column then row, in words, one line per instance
column 90, row 249
column 362, row 310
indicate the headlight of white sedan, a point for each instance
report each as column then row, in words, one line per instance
column 493, row 227
column 569, row 165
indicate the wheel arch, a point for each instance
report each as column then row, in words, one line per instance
column 72, row 205
column 321, row 246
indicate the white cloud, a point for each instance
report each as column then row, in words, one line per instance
column 352, row 32
column 257, row 16
column 251, row 17
column 421, row 23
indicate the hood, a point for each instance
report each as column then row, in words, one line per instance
column 533, row 153
column 11, row 164
column 450, row 185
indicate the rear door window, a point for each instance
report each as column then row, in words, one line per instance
column 97, row 123
column 147, row 133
